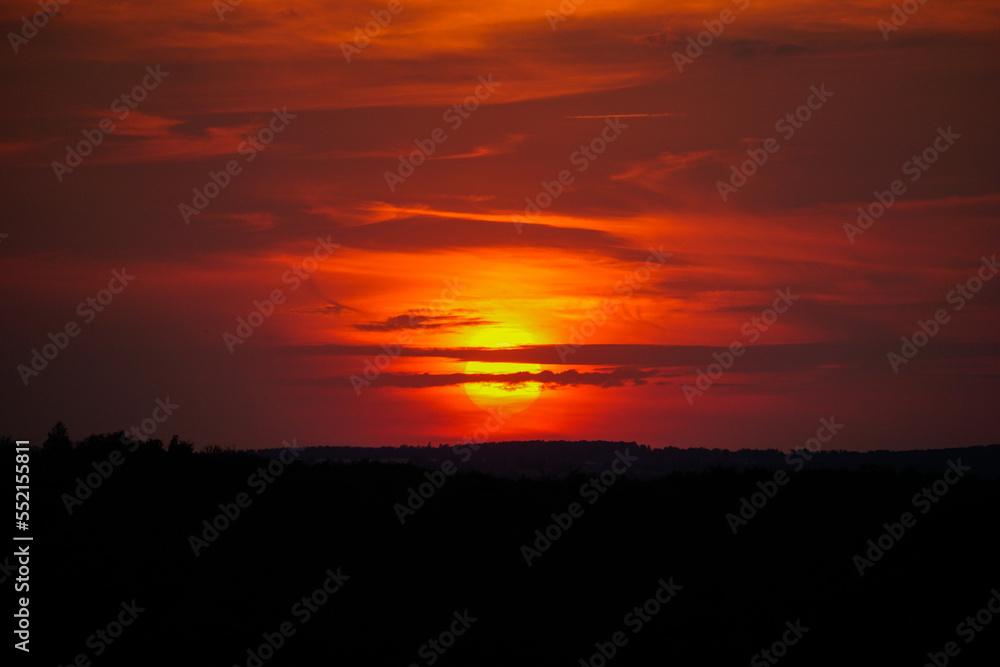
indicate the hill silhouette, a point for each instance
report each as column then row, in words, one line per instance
column 540, row 458
column 401, row 580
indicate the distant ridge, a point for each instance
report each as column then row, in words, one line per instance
column 560, row 458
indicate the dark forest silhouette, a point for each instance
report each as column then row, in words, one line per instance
column 333, row 508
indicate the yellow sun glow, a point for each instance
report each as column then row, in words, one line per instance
column 512, row 398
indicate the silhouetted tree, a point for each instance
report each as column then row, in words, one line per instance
column 178, row 446
column 58, row 439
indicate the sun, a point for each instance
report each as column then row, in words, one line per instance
column 512, row 398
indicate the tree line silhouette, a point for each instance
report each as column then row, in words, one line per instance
column 462, row 551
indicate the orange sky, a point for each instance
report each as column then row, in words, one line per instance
column 440, row 261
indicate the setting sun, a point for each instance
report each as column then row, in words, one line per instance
column 513, row 396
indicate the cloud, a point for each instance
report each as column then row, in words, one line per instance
column 666, row 36
column 417, row 319
column 430, row 232
column 619, row 377
column 332, row 309
column 782, row 357
column 631, row 115
column 500, row 148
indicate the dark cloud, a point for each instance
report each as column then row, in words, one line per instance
column 756, row 358
column 418, row 319
column 332, row 309
column 618, row 377
column 427, row 232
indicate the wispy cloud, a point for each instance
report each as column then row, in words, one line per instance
column 416, row 319
column 332, row 309
column 632, row 115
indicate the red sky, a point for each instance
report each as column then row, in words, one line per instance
column 515, row 291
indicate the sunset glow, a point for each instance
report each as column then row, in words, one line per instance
column 505, row 205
